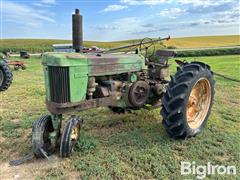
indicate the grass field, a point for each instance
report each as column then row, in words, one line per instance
column 130, row 146
column 204, row 41
column 41, row 45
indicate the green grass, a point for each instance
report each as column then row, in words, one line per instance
column 43, row 45
column 130, row 146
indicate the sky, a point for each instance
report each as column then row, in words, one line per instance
column 111, row 20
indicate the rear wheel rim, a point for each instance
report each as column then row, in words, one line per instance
column 198, row 103
column 1, row 77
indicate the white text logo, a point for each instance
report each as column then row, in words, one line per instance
column 201, row 171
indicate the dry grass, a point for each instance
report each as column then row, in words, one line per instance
column 204, row 41
column 43, row 45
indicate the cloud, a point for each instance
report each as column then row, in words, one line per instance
column 144, row 2
column 226, row 18
column 161, row 28
column 105, row 27
column 112, row 8
column 172, row 13
column 204, row 3
column 116, row 29
column 45, row 3
column 131, row 26
column 150, row 31
column 147, row 25
column 41, row 5
column 24, row 14
column 201, row 7
column 122, row 24
column 48, row 1
column 218, row 7
column 234, row 14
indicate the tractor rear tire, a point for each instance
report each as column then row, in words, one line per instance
column 41, row 136
column 5, row 76
column 187, row 103
column 70, row 136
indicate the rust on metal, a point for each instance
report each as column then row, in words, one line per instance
column 60, row 108
column 17, row 64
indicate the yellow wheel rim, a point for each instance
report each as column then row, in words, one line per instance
column 198, row 103
column 75, row 133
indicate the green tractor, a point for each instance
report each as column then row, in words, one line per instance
column 120, row 81
column 5, row 74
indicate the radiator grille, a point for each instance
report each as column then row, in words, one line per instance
column 59, row 84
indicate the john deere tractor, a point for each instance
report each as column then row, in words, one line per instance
column 120, row 81
column 5, row 74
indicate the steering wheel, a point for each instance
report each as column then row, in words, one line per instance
column 146, row 46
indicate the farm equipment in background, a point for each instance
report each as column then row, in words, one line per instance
column 121, row 82
column 24, row 55
column 17, row 65
column 5, row 74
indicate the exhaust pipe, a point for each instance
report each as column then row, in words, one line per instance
column 77, row 31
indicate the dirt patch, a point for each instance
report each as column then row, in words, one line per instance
column 28, row 170
column 2, row 139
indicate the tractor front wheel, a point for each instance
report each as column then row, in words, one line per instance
column 187, row 103
column 70, row 136
column 41, row 140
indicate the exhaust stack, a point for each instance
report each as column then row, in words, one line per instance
column 77, row 31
